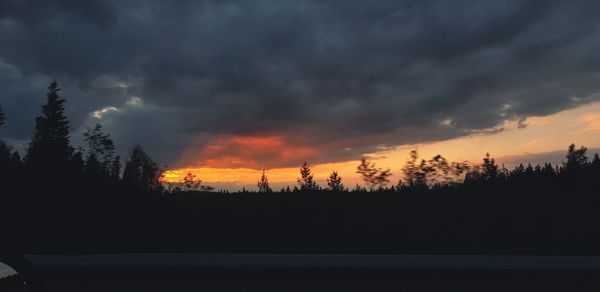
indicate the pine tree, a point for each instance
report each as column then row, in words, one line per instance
column 50, row 149
column 307, row 181
column 263, row 184
column 334, row 182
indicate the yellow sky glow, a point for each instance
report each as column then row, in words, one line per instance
column 579, row 125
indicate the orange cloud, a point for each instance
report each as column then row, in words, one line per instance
column 248, row 152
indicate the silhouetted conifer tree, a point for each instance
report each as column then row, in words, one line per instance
column 334, row 182
column 306, row 180
column 50, row 150
column 263, row 184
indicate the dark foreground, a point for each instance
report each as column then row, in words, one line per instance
column 263, row 272
column 501, row 221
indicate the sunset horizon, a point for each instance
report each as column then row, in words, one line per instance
column 300, row 145
column 510, row 144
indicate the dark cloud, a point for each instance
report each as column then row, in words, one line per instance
column 342, row 77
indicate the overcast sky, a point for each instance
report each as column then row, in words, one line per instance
column 271, row 83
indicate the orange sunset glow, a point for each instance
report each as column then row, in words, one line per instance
column 237, row 165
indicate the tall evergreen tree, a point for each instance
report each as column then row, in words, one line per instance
column 50, row 149
column 306, row 180
column 141, row 171
column 334, row 182
column 263, row 184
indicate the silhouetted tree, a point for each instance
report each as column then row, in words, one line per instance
column 371, row 175
column 141, row 171
column 191, row 183
column 5, row 153
column 16, row 163
column 596, row 163
column 263, row 184
column 93, row 168
column 438, row 170
column 115, row 168
column 334, row 182
column 415, row 173
column 4, row 148
column 458, row 170
column 77, row 162
column 410, row 168
column 2, row 117
column 358, row 189
column 101, row 153
column 50, row 149
column 306, row 180
column 489, row 169
column 576, row 159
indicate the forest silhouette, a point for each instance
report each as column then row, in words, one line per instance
column 56, row 198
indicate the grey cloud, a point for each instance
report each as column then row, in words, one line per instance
column 334, row 75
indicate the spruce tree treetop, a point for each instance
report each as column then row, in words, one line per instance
column 50, row 145
column 307, row 181
column 263, row 184
column 334, row 182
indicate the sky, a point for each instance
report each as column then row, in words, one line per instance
column 227, row 88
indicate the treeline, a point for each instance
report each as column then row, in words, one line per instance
column 57, row 198
column 51, row 160
column 432, row 174
column 56, row 189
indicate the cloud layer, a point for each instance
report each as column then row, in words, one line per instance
column 315, row 80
